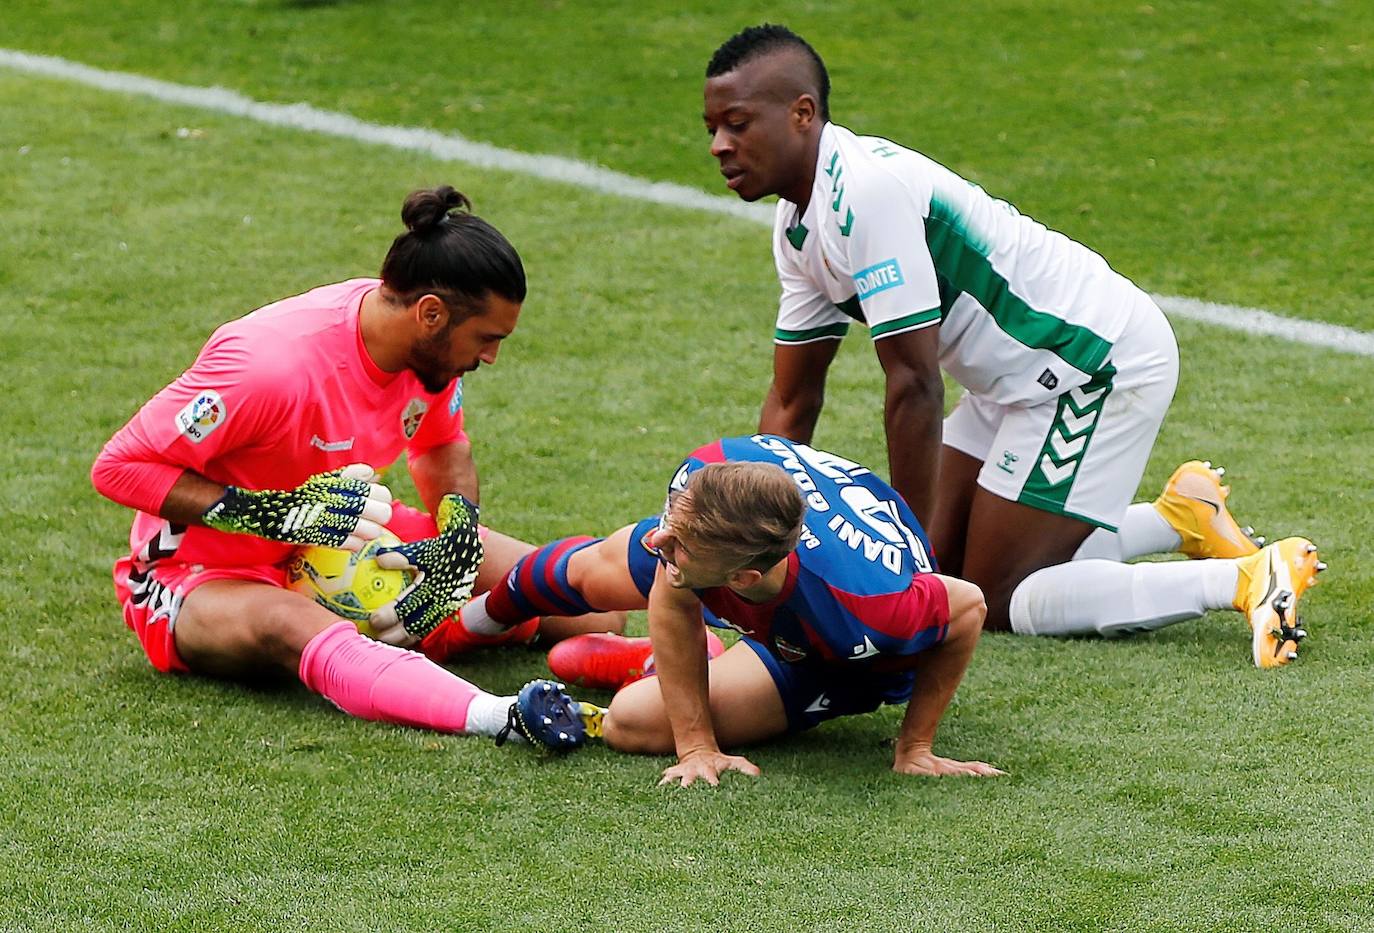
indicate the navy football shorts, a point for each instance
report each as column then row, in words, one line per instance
column 811, row 693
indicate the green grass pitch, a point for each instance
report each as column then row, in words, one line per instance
column 1218, row 151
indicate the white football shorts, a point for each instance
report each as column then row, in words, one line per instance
column 1082, row 454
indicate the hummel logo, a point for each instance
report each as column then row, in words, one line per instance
column 330, row 446
column 1048, row 379
column 819, row 705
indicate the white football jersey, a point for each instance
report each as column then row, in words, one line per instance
column 897, row 241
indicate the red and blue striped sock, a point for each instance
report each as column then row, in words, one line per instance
column 538, row 585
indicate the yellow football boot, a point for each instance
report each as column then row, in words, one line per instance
column 1270, row 583
column 593, row 718
column 1194, row 504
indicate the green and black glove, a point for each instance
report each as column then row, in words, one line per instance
column 447, row 564
column 343, row 508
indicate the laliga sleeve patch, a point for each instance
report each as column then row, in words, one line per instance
column 201, row 416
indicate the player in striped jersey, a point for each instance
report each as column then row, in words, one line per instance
column 1069, row 370
column 814, row 560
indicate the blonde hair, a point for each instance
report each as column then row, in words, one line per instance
column 747, row 514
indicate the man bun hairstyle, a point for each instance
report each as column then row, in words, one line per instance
column 427, row 208
column 750, row 43
column 452, row 253
column 749, row 514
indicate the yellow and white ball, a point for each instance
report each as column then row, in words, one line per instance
column 349, row 584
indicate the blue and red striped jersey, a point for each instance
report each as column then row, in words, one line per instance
column 858, row 585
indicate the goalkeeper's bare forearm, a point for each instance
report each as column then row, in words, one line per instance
column 189, row 498
column 439, row 471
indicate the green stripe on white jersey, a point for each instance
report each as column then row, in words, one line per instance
column 1024, row 312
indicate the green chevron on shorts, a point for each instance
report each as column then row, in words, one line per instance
column 1070, row 434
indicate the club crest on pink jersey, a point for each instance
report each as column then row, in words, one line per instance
column 411, row 417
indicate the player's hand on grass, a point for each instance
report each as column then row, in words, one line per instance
column 925, row 763
column 447, row 570
column 343, row 508
column 708, row 766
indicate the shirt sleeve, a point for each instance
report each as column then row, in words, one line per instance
column 805, row 314
column 442, row 424
column 897, row 627
column 921, row 623
column 226, row 401
column 894, row 274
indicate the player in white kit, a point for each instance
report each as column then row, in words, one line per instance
column 1068, row 367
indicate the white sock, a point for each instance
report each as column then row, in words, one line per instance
column 1108, row 598
column 1143, row 531
column 487, row 716
column 474, row 618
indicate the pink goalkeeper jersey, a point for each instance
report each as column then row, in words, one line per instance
column 274, row 397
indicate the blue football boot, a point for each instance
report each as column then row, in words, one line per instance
column 545, row 715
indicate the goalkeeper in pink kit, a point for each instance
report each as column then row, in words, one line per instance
column 268, row 442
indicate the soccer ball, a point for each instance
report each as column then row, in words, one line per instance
column 348, row 584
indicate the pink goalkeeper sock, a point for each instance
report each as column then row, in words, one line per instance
column 370, row 680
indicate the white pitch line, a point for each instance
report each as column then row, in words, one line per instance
column 456, row 148
column 447, row 146
column 1267, row 324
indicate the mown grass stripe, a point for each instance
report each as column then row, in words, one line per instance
column 454, row 147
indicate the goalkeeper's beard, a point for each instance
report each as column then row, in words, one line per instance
column 428, row 361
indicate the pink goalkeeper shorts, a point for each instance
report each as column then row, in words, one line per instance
column 152, row 598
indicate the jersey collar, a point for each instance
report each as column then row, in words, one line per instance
column 788, row 585
column 826, row 156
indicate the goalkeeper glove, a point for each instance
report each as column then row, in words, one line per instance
column 447, row 565
column 343, row 508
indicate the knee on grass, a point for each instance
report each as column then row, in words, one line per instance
column 994, row 602
column 637, row 723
